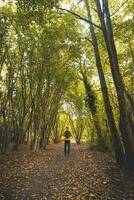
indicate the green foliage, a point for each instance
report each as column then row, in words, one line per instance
column 36, row 4
column 102, row 144
column 37, row 54
column 90, row 98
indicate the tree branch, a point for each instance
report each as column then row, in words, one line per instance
column 119, row 8
column 89, row 40
column 80, row 17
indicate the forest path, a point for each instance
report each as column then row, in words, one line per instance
column 50, row 175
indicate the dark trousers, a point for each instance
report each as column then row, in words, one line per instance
column 67, row 146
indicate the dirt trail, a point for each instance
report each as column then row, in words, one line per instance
column 50, row 175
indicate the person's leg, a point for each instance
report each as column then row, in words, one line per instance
column 68, row 147
column 65, row 147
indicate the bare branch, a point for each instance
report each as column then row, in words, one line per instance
column 80, row 17
column 94, row 10
column 89, row 40
column 119, row 8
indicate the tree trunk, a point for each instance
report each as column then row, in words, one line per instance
column 125, row 123
column 92, row 106
column 118, row 149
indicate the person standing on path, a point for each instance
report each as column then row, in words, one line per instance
column 67, row 136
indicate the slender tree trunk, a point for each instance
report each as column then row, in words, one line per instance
column 118, row 149
column 41, row 141
column 33, row 140
column 130, row 100
column 97, row 127
column 125, row 122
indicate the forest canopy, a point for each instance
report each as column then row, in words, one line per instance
column 67, row 63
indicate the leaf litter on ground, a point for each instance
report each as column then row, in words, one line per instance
column 48, row 175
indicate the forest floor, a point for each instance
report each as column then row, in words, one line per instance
column 50, row 175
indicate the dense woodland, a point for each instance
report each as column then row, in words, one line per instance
column 68, row 63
